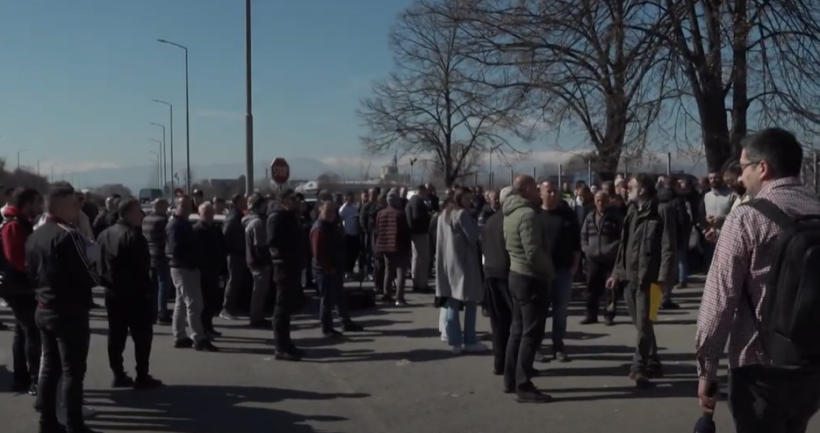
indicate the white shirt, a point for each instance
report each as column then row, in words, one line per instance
column 350, row 218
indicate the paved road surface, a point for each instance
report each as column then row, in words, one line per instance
column 397, row 377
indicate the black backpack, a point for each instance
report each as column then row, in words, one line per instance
column 789, row 328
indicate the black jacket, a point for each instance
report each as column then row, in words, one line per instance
column 234, row 233
column 601, row 236
column 210, row 247
column 677, row 204
column 494, row 247
column 125, row 262
column 418, row 215
column 103, row 221
column 59, row 268
column 285, row 238
column 179, row 245
column 91, row 211
column 153, row 228
column 364, row 218
column 564, row 230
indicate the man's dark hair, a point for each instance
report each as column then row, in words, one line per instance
column 63, row 185
column 57, row 195
column 256, row 202
column 116, row 196
column 9, row 192
column 287, row 193
column 646, row 183
column 23, row 196
column 779, row 148
column 125, row 206
column 236, row 198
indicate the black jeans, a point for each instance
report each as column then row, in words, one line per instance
column 352, row 249
column 646, row 347
column 499, row 305
column 65, row 337
column 597, row 274
column 237, row 276
column 769, row 400
column 26, row 346
column 289, row 299
column 211, row 297
column 129, row 315
column 530, row 300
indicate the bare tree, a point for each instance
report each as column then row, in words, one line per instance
column 433, row 102
column 742, row 60
column 578, row 64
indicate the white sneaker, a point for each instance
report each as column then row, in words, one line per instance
column 444, row 338
column 477, row 347
column 456, row 350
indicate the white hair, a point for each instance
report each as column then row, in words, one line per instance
column 204, row 206
column 505, row 192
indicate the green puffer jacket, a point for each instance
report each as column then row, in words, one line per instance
column 525, row 235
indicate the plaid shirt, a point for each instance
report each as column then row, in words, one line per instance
column 742, row 260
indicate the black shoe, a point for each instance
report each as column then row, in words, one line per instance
column 164, row 321
column 532, row 396
column 641, row 381
column 507, row 389
column 261, row 324
column 213, row 333
column 4, row 327
column 352, row 327
column 296, row 351
column 20, row 386
column 184, row 343
column 589, row 321
column 122, row 381
column 669, row 305
column 286, row 356
column 147, row 382
column 332, row 333
column 654, row 371
column 498, row 371
column 609, row 321
column 205, row 346
column 32, row 389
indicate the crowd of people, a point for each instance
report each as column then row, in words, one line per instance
column 512, row 254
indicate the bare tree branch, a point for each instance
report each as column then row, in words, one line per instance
column 433, row 103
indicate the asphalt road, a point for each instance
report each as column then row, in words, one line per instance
column 396, row 377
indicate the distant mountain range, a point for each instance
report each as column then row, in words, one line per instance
column 136, row 177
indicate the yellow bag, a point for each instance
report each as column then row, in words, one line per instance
column 655, row 301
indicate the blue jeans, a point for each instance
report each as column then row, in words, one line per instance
column 559, row 300
column 161, row 277
column 452, row 328
column 331, row 293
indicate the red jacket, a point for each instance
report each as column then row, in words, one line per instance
column 15, row 231
column 391, row 231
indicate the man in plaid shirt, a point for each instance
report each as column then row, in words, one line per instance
column 762, row 398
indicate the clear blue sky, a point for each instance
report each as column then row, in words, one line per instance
column 78, row 77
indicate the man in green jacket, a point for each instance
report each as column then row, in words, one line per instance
column 531, row 272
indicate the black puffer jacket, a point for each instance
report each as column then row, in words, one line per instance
column 234, row 233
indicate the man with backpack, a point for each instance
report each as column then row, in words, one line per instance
column 763, row 290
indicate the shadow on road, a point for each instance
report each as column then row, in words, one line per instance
column 207, row 409
column 617, row 371
column 659, row 389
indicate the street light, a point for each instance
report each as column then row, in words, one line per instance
column 159, row 158
column 171, row 107
column 163, row 170
column 248, row 98
column 18, row 157
column 187, row 118
column 159, row 147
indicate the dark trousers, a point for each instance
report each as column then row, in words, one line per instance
column 237, row 276
column 129, row 315
column 499, row 305
column 646, row 348
column 26, row 346
column 769, row 400
column 211, row 297
column 289, row 298
column 65, row 338
column 163, row 287
column 352, row 249
column 597, row 274
column 530, row 300
column 332, row 295
column 378, row 273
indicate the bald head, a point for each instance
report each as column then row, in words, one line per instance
column 522, row 182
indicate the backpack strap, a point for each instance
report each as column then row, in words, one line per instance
column 771, row 211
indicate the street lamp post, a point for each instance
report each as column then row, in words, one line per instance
column 164, row 165
column 170, row 107
column 187, row 118
column 18, row 157
column 248, row 99
column 159, row 165
column 160, row 147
